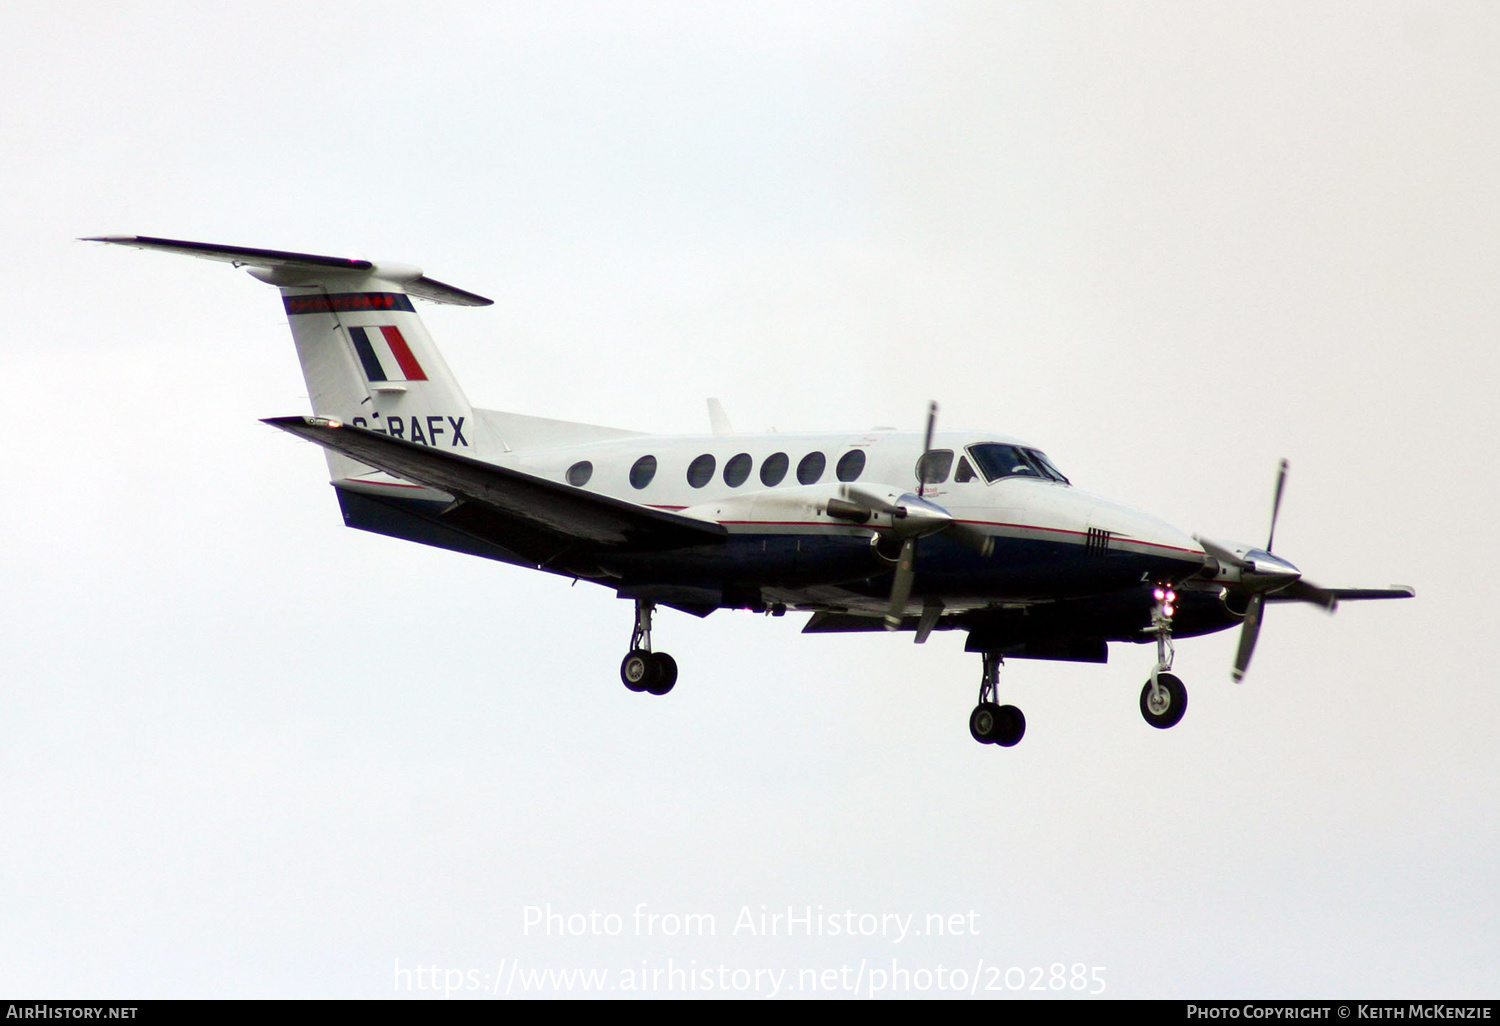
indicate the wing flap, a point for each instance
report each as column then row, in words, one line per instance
column 512, row 498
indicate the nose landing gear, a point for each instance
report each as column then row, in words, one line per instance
column 644, row 670
column 991, row 723
column 1163, row 699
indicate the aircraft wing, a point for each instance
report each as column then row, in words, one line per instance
column 513, row 499
column 1301, row 591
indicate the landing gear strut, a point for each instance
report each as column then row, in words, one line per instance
column 643, row 669
column 1163, row 699
column 993, row 724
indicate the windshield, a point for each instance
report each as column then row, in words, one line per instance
column 996, row 460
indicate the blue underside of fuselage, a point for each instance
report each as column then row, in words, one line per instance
column 1108, row 594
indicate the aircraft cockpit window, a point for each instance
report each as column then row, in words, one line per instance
column 965, row 472
column 643, row 471
column 996, row 461
column 851, row 465
column 579, row 473
column 737, row 470
column 811, row 467
column 1040, row 459
column 701, row 471
column 774, row 469
column 933, row 466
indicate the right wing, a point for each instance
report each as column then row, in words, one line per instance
column 513, row 501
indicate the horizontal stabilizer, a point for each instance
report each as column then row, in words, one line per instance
column 531, row 504
column 312, row 267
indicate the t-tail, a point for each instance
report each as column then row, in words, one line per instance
column 365, row 354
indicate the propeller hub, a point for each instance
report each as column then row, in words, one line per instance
column 921, row 516
column 1267, row 572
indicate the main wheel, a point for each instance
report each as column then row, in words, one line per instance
column 664, row 673
column 983, row 721
column 638, row 671
column 1010, row 726
column 1165, row 709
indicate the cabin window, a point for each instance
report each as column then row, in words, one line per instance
column 643, row 471
column 701, row 471
column 737, row 470
column 850, row 465
column 933, row 466
column 965, row 472
column 774, row 469
column 579, row 473
column 811, row 467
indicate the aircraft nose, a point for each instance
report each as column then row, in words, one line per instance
column 1176, row 550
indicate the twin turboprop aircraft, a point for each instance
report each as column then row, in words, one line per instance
column 868, row 531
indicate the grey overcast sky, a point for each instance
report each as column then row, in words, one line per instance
column 246, row 752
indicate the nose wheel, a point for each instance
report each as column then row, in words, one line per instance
column 991, row 723
column 1164, row 704
column 642, row 669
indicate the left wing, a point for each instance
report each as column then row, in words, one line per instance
column 512, row 499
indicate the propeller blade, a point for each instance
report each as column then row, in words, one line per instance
column 1276, row 503
column 932, row 409
column 872, row 501
column 1306, row 591
column 1221, row 553
column 901, row 587
column 1248, row 634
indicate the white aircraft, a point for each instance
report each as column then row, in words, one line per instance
column 872, row 530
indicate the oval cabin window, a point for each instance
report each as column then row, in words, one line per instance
column 811, row 467
column 850, row 465
column 643, row 471
column 774, row 469
column 737, row 470
column 701, row 471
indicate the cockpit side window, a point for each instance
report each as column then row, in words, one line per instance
column 996, row 460
column 1040, row 459
column 933, row 466
column 964, row 472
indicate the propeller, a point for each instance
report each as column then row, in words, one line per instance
column 926, row 448
column 1261, row 573
column 913, row 517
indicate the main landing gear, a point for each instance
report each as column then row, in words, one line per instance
column 1163, row 699
column 643, row 669
column 993, row 724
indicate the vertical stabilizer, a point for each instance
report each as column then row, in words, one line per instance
column 365, row 354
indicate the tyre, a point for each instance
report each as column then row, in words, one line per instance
column 983, row 721
column 638, row 670
column 664, row 675
column 1010, row 726
column 1166, row 711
